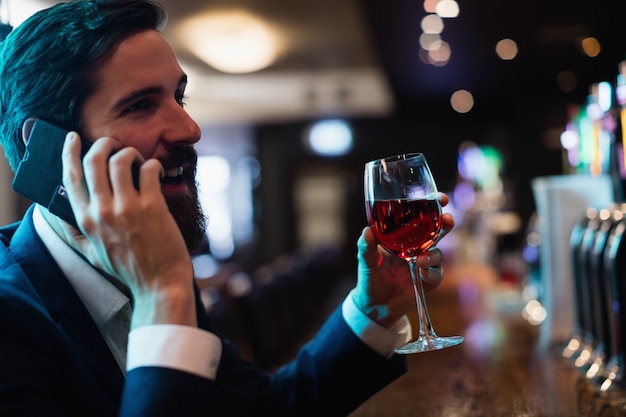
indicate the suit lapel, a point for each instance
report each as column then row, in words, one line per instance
column 63, row 304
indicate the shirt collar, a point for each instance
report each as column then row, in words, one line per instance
column 101, row 298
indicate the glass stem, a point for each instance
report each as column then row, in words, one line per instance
column 426, row 327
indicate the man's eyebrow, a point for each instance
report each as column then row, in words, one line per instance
column 126, row 100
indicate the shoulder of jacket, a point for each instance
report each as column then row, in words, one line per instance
column 6, row 232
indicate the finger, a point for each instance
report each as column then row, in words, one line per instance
column 151, row 173
column 431, row 269
column 73, row 179
column 432, row 276
column 121, row 171
column 96, row 170
column 443, row 199
column 431, row 258
column 368, row 248
column 447, row 224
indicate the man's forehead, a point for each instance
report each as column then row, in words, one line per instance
column 142, row 64
column 140, row 58
column 148, row 45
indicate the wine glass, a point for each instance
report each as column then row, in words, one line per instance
column 403, row 209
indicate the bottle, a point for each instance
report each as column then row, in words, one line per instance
column 584, row 284
column 581, row 308
column 615, row 253
column 614, row 258
column 600, row 294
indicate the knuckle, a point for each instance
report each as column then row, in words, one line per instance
column 106, row 215
column 87, row 224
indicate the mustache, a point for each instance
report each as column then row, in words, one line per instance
column 180, row 156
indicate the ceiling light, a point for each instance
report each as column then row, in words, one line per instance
column 230, row 41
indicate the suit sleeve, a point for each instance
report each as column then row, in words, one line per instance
column 330, row 376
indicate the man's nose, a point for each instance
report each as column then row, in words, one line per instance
column 181, row 127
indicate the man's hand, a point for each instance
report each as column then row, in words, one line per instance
column 384, row 288
column 127, row 233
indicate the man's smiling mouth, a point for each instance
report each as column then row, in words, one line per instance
column 174, row 175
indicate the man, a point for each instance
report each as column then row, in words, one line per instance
column 101, row 69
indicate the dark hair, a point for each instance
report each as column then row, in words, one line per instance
column 49, row 63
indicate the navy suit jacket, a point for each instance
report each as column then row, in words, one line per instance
column 54, row 362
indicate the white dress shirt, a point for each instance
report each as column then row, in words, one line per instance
column 174, row 346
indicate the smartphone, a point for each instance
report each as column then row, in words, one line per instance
column 39, row 174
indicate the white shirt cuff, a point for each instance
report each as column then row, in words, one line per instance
column 184, row 348
column 380, row 339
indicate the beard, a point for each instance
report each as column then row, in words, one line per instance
column 186, row 209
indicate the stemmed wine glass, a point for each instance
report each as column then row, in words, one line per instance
column 403, row 209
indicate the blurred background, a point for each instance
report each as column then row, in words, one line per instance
column 295, row 96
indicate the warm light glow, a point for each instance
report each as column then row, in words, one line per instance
column 604, row 214
column 571, row 348
column 462, row 101
column 590, row 46
column 423, row 55
column 428, row 40
column 607, row 383
column 431, row 23
column 430, row 6
column 566, row 81
column 447, row 8
column 534, row 313
column 230, row 41
column 506, row 49
column 582, row 357
column 439, row 53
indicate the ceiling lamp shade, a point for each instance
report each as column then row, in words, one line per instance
column 230, row 41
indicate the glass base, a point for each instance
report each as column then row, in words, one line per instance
column 427, row 344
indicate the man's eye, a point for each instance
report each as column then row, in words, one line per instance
column 138, row 106
column 181, row 99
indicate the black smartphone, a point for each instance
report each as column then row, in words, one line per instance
column 39, row 174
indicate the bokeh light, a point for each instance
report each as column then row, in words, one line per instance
column 462, row 101
column 590, row 46
column 431, row 23
column 506, row 49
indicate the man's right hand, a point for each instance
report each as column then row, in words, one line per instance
column 127, row 233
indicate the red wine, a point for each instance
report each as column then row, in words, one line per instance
column 405, row 227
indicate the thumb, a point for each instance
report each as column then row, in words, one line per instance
column 368, row 248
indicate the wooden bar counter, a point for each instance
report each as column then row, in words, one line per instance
column 497, row 371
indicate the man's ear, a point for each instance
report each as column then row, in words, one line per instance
column 27, row 127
